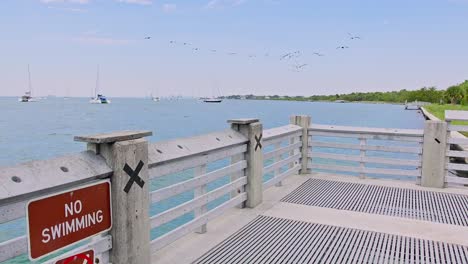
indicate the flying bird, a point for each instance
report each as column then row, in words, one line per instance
column 147, row 37
column 195, row 49
column 232, row 53
column 342, row 47
column 301, row 66
column 172, row 41
column 352, row 37
column 319, row 54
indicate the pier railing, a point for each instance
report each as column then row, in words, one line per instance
column 456, row 157
column 165, row 190
column 366, row 151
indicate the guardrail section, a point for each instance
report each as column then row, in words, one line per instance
column 194, row 180
column 367, row 152
column 23, row 182
column 456, row 167
column 282, row 153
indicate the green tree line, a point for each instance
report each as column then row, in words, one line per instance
column 456, row 94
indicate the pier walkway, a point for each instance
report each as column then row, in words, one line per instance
column 325, row 218
column 299, row 193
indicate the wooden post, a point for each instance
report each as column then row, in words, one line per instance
column 362, row 155
column 253, row 130
column 199, row 191
column 277, row 172
column 130, row 195
column 304, row 122
column 434, row 156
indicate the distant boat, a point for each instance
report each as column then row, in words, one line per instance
column 155, row 98
column 98, row 98
column 27, row 97
column 212, row 100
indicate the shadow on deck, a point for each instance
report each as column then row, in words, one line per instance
column 323, row 218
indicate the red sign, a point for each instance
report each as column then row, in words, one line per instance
column 66, row 218
column 80, row 258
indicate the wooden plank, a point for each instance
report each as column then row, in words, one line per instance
column 182, row 230
column 282, row 176
column 462, row 141
column 13, row 248
column 458, row 154
column 281, row 140
column 182, row 148
column 452, row 115
column 457, row 166
column 199, row 192
column 399, row 172
column 283, row 131
column 281, row 163
column 458, row 128
column 365, row 136
column 366, row 159
column 396, row 149
column 367, row 130
column 12, row 211
column 184, row 208
column 113, row 136
column 454, row 179
column 193, row 161
column 280, row 151
column 184, row 186
column 36, row 178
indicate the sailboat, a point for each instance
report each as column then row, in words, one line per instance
column 27, row 97
column 155, row 98
column 213, row 99
column 98, row 98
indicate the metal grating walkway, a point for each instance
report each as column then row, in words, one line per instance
column 277, row 240
column 408, row 203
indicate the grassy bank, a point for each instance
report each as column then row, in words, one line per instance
column 439, row 110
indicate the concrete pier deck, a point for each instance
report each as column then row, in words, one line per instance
column 324, row 218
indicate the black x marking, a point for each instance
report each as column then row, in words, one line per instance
column 259, row 144
column 133, row 176
column 437, row 140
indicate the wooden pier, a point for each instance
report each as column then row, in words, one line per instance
column 300, row 193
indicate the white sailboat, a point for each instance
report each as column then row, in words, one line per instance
column 27, row 97
column 98, row 98
column 213, row 99
column 155, row 98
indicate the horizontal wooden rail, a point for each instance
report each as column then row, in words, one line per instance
column 281, row 132
column 456, row 180
column 457, row 154
column 458, row 128
column 282, row 163
column 13, row 248
column 189, row 206
column 457, row 166
column 295, row 137
column 191, row 184
column 35, row 178
column 368, row 131
column 395, row 149
column 195, row 160
column 314, row 133
column 183, row 230
column 365, row 159
column 161, row 153
column 278, row 178
column 399, row 172
column 456, row 115
column 462, row 141
column 281, row 151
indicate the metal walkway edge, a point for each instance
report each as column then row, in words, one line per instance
column 431, row 206
column 277, row 240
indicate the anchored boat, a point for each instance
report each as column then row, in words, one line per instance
column 98, row 98
column 27, row 97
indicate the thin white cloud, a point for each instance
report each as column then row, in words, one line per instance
column 65, row 1
column 138, row 2
column 92, row 37
column 169, row 8
column 68, row 9
column 224, row 3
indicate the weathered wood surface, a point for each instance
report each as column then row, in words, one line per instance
column 453, row 115
column 243, row 121
column 368, row 130
column 366, row 170
column 283, row 131
column 366, row 159
column 31, row 179
column 173, row 150
column 113, row 137
column 304, row 122
column 395, row 149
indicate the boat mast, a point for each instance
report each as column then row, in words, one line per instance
column 97, row 83
column 29, row 82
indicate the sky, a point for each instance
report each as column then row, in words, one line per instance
column 404, row 44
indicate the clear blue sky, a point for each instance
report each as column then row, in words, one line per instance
column 406, row 44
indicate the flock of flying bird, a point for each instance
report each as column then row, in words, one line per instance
column 290, row 56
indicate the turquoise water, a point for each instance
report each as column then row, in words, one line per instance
column 45, row 129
